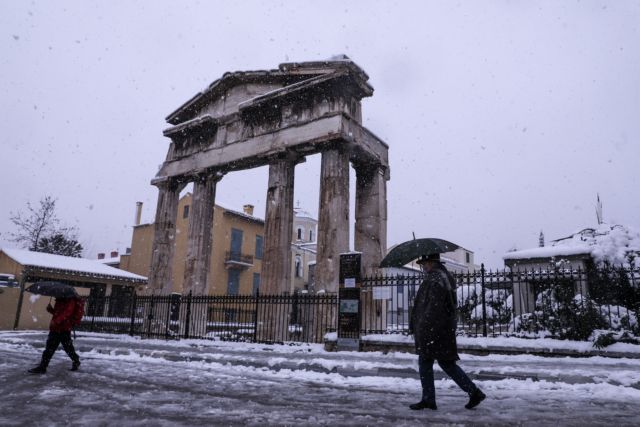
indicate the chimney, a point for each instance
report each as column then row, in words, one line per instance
column 138, row 213
column 114, row 254
column 248, row 209
column 128, row 251
column 101, row 255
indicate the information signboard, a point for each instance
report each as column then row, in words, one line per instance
column 349, row 302
column 350, row 269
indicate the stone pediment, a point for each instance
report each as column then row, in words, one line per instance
column 225, row 95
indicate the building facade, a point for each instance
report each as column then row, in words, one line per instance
column 237, row 250
column 90, row 278
column 607, row 244
column 461, row 260
column 303, row 250
column 614, row 244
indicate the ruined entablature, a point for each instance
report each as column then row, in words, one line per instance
column 300, row 107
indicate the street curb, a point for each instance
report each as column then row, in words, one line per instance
column 485, row 350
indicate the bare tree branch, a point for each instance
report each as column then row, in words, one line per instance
column 38, row 223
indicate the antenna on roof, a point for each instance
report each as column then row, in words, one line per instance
column 599, row 210
column 414, row 235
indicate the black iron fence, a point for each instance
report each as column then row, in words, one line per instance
column 559, row 302
column 260, row 318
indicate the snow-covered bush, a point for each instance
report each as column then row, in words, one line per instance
column 498, row 304
column 559, row 313
column 619, row 317
column 604, row 338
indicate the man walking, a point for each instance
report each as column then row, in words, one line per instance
column 433, row 323
column 60, row 333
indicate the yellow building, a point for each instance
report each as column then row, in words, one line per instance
column 237, row 248
column 236, row 257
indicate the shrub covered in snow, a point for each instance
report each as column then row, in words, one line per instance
column 603, row 338
column 498, row 304
column 559, row 313
column 620, row 318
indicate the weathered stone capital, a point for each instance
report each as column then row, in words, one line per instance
column 366, row 168
column 207, row 175
column 289, row 157
column 169, row 184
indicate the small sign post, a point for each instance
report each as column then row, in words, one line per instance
column 349, row 301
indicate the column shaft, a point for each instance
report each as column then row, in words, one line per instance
column 371, row 236
column 276, row 263
column 371, row 216
column 200, row 236
column 160, row 273
column 333, row 221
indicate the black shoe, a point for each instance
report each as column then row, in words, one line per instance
column 423, row 405
column 75, row 365
column 38, row 370
column 475, row 398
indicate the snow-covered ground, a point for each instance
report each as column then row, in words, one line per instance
column 128, row 381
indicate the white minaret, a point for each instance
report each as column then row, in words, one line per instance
column 599, row 210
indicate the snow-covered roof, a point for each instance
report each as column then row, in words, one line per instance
column 224, row 206
column 242, row 215
column 111, row 260
column 301, row 213
column 452, row 262
column 611, row 243
column 82, row 266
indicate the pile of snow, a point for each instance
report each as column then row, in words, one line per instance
column 614, row 243
column 606, row 243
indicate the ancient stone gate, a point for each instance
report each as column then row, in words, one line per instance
column 275, row 118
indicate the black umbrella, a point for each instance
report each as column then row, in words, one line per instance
column 53, row 289
column 406, row 252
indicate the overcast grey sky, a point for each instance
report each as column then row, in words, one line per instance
column 503, row 118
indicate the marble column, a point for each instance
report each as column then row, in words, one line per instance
column 276, row 261
column 200, row 235
column 371, row 237
column 160, row 273
column 333, row 221
column 371, row 216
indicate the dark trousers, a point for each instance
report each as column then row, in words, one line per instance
column 451, row 368
column 53, row 341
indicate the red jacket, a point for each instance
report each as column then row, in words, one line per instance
column 62, row 312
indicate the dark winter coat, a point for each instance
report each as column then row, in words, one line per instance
column 62, row 314
column 433, row 318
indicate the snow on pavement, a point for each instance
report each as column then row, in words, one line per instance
column 127, row 381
